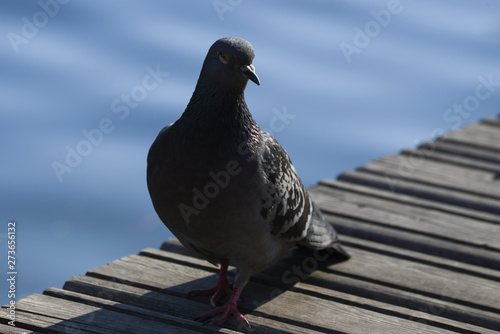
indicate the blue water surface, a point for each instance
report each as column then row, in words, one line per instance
column 357, row 80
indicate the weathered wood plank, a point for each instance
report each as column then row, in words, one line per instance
column 366, row 229
column 439, row 174
column 357, row 315
column 131, row 271
column 408, row 217
column 45, row 324
column 33, row 317
column 485, row 128
column 392, row 196
column 427, row 316
column 397, row 184
column 329, row 283
column 426, row 259
column 288, row 306
column 7, row 329
column 68, row 315
column 115, row 291
column 143, row 311
column 469, row 142
column 390, row 270
column 453, row 159
column 182, row 307
column 369, row 277
column 458, row 148
column 478, row 135
column 491, row 122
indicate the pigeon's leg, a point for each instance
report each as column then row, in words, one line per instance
column 229, row 308
column 221, row 288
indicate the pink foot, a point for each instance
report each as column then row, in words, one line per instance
column 229, row 308
column 220, row 289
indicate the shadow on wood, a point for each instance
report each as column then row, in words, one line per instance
column 158, row 289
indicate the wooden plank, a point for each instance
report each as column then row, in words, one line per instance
column 453, row 159
column 485, row 129
column 197, row 261
column 7, row 329
column 358, row 314
column 476, row 135
column 143, row 311
column 458, row 148
column 369, row 284
column 130, row 270
column 427, row 259
column 159, row 301
column 267, row 301
column 182, row 307
column 181, row 283
column 369, row 279
column 491, row 122
column 72, row 315
column 439, row 174
column 397, row 184
column 45, row 324
column 480, row 133
column 274, row 278
column 32, row 316
column 405, row 216
column 327, row 283
column 389, row 269
column 410, row 200
column 365, row 229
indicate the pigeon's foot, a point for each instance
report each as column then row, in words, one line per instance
column 229, row 308
column 220, row 289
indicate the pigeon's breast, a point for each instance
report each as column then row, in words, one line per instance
column 192, row 188
column 209, row 194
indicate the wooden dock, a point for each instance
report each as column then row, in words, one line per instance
column 423, row 229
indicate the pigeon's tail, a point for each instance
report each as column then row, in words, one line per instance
column 339, row 249
column 321, row 234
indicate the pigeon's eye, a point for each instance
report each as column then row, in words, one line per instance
column 223, row 58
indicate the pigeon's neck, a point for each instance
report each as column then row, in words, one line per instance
column 219, row 119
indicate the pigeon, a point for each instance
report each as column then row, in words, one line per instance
column 226, row 188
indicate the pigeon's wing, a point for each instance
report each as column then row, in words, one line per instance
column 286, row 204
column 321, row 234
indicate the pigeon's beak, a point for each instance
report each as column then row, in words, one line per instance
column 249, row 72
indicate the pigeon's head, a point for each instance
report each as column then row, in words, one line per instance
column 229, row 63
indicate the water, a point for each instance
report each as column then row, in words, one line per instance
column 357, row 80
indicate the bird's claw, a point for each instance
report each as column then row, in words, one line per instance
column 226, row 310
column 221, row 288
